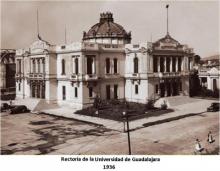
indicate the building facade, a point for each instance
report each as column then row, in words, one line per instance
column 104, row 64
column 157, row 69
column 7, row 74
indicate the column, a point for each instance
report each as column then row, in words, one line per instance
column 80, row 64
column 151, row 63
column 41, row 65
column 73, row 64
column 176, row 64
column 165, row 64
column 181, row 63
column 165, row 88
column 36, row 65
column 171, row 64
column 159, row 91
column 158, row 64
column 85, row 66
column 93, row 65
column 209, row 82
column 3, row 75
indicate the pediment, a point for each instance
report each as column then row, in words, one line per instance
column 213, row 70
column 166, row 42
column 39, row 46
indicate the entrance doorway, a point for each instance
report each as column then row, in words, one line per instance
column 108, row 92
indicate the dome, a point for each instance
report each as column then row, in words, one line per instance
column 107, row 28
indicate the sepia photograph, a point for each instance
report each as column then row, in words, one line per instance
column 110, row 78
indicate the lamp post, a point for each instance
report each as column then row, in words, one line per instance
column 129, row 143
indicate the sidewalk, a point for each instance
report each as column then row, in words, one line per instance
column 181, row 111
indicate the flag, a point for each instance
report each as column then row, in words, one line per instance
column 167, row 6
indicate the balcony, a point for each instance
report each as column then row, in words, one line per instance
column 18, row 75
column 111, row 47
column 133, row 75
column 114, row 75
column 91, row 77
column 168, row 74
column 90, row 46
column 36, row 75
column 75, row 77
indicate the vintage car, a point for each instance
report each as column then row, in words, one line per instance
column 214, row 107
column 19, row 109
column 5, row 106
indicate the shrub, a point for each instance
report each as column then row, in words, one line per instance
column 163, row 106
column 150, row 104
column 97, row 102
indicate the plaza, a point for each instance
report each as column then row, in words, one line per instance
column 47, row 134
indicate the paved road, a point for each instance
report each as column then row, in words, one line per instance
column 43, row 134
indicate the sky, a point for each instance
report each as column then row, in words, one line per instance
column 192, row 23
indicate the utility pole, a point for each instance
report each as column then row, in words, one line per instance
column 125, row 114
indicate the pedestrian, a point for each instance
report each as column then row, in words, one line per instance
column 210, row 137
column 198, row 146
column 10, row 102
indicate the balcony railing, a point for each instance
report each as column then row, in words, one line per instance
column 168, row 74
column 36, row 75
column 91, row 77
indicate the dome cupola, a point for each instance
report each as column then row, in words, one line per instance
column 107, row 31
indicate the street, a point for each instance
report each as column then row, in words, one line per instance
column 44, row 134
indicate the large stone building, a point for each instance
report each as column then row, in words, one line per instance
column 209, row 72
column 7, row 74
column 157, row 69
column 104, row 64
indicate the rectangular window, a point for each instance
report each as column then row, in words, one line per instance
column 64, row 92
column 136, row 89
column 155, row 64
column 76, row 66
column 107, row 65
column 19, row 66
column 115, row 65
column 156, row 88
column 19, row 86
column 34, row 66
column 38, row 64
column 108, row 92
column 179, row 64
column 115, row 91
column 90, row 92
column 76, row 92
column 180, row 86
column 89, row 65
column 63, row 67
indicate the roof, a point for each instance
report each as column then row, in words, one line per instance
column 106, row 28
column 209, row 58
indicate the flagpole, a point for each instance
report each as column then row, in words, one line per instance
column 167, row 6
column 37, row 24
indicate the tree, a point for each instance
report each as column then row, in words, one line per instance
column 197, row 59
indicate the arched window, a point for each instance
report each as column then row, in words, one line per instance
column 76, row 66
column 135, row 65
column 63, row 67
column 107, row 65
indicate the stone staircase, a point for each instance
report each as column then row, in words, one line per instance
column 175, row 101
column 45, row 105
column 29, row 102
